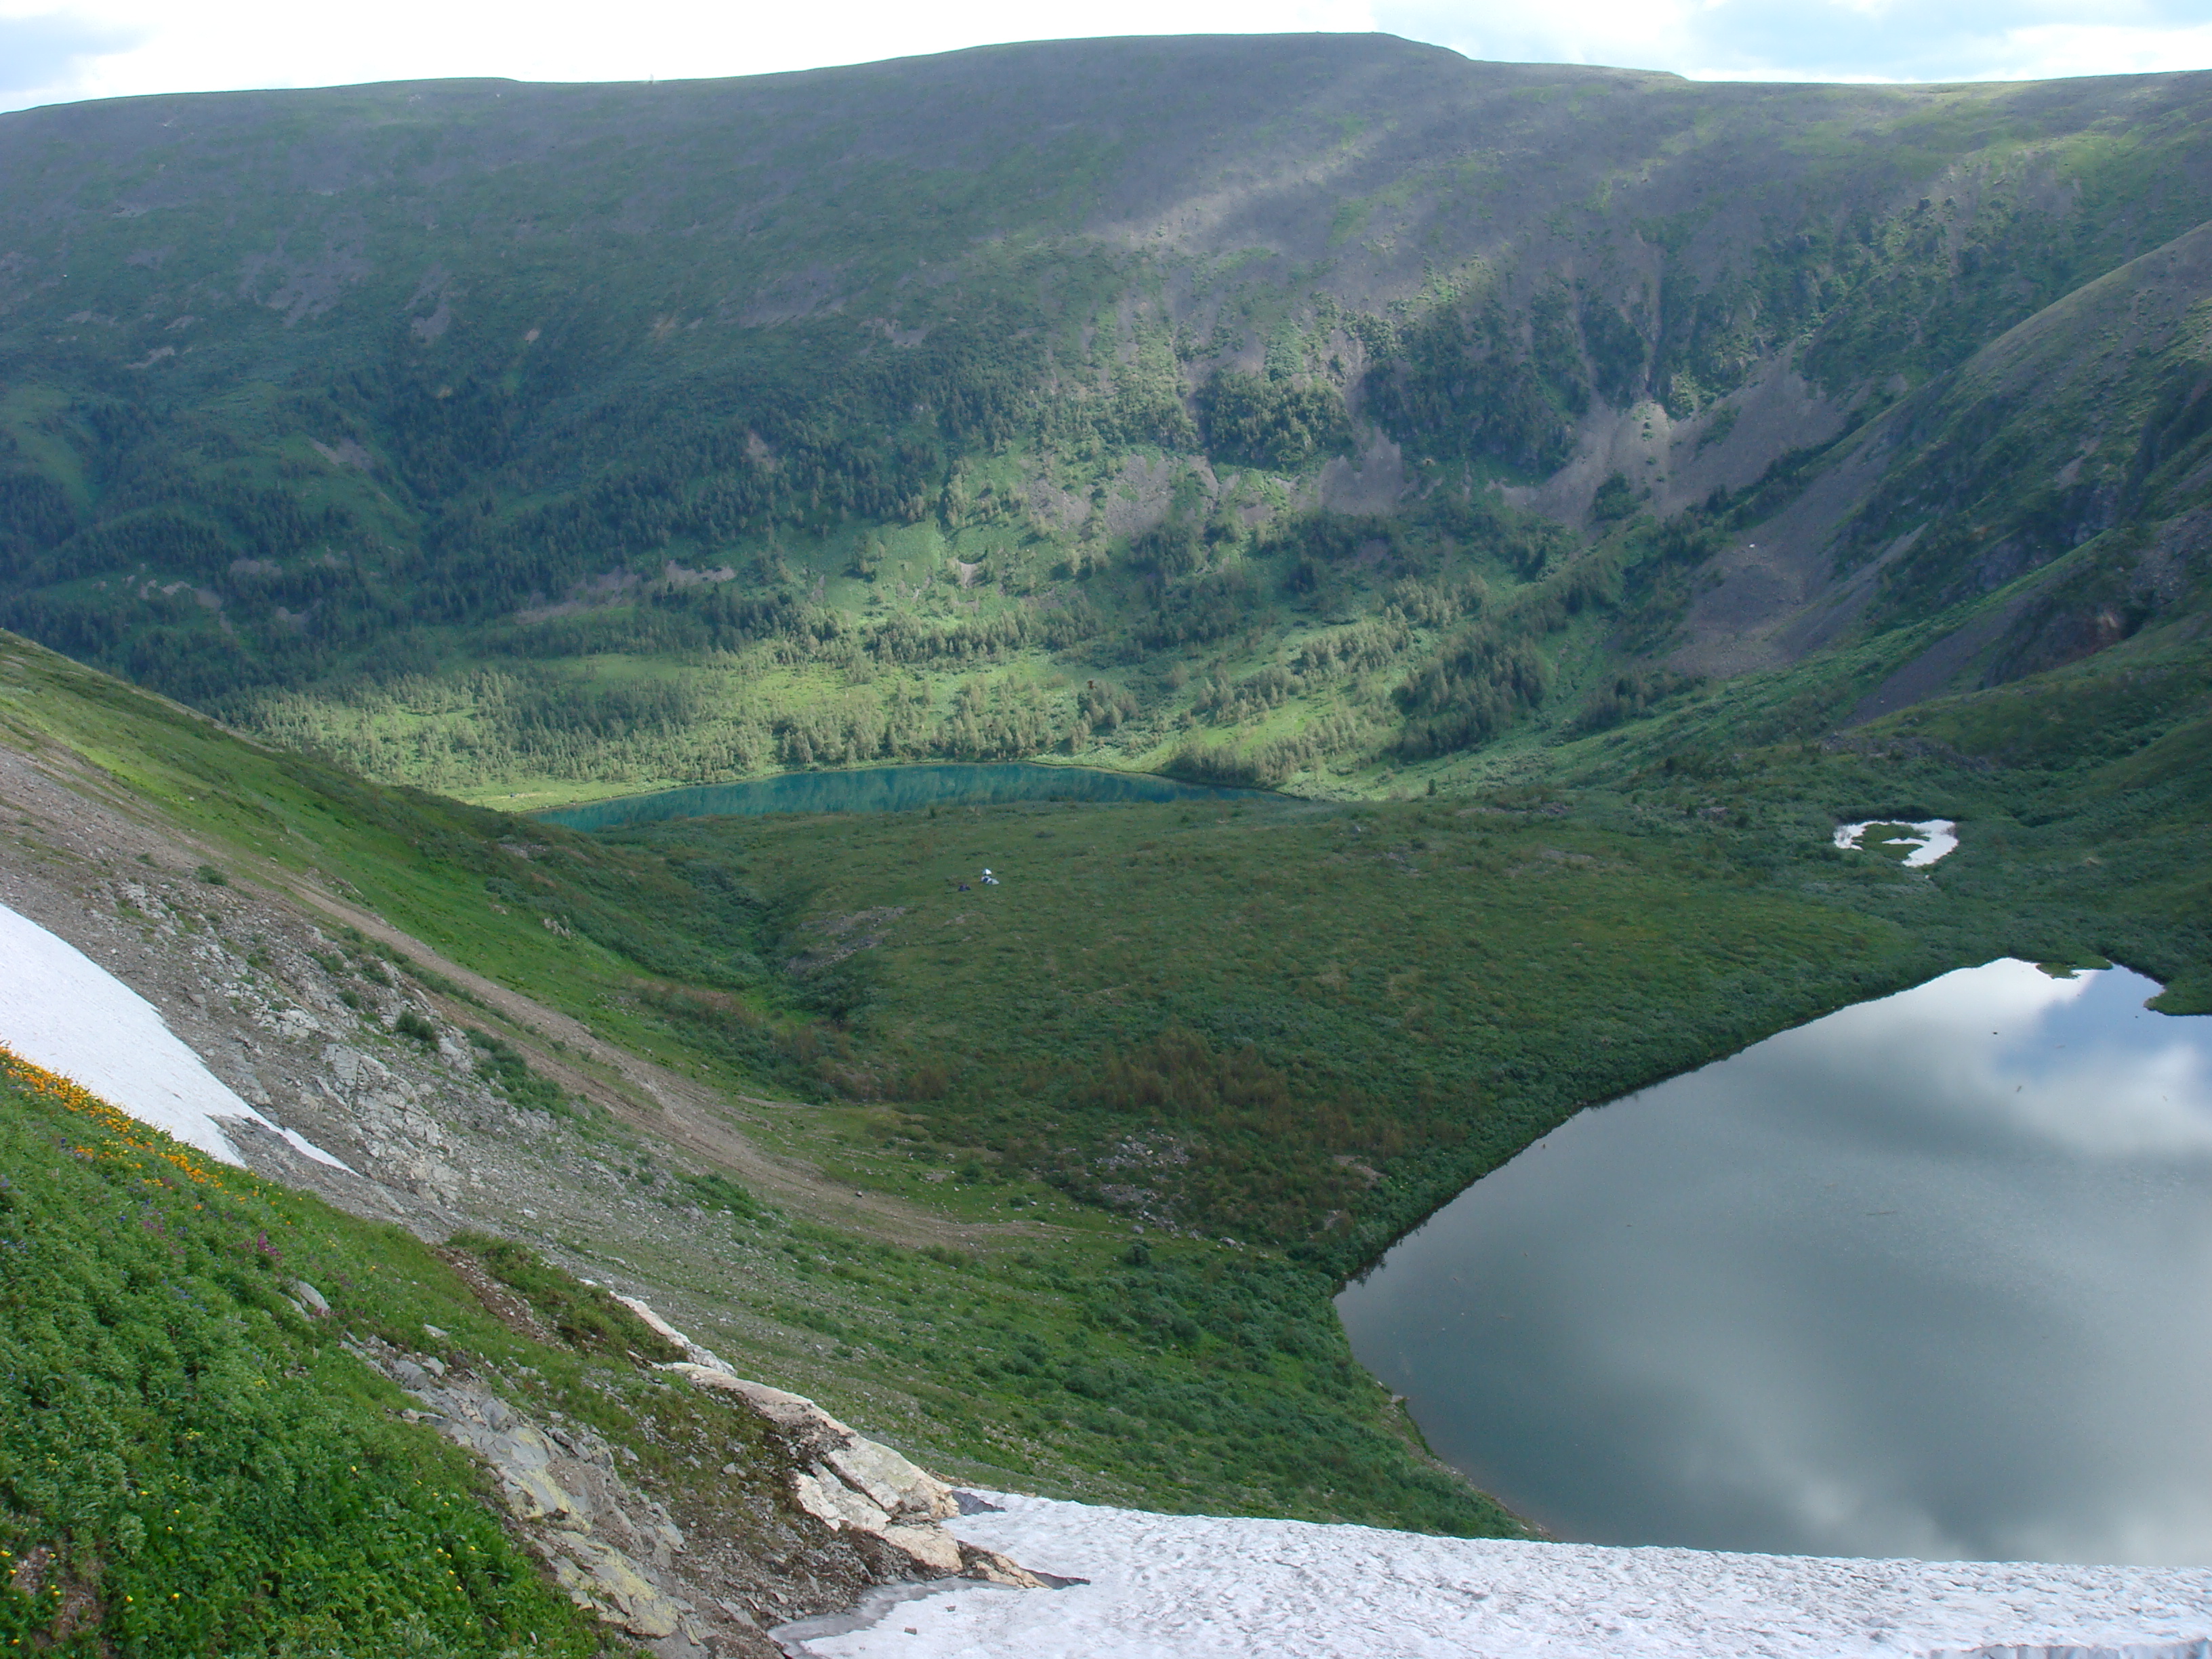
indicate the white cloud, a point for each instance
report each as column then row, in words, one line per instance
column 2057, row 49
column 2124, row 1093
column 1827, row 39
column 45, row 56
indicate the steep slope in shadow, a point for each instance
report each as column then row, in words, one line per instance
column 2060, row 468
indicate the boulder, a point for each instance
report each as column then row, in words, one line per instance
column 831, row 1502
column 893, row 1483
column 933, row 1551
column 994, row 1568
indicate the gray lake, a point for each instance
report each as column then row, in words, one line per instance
column 1930, row 1277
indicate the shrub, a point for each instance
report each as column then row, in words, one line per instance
column 187, row 1468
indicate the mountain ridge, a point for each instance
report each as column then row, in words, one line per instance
column 1476, row 262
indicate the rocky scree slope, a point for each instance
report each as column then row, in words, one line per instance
column 2060, row 468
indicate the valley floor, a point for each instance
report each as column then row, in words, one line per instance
column 1163, row 1586
column 1166, row 1586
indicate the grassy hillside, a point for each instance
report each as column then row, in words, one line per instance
column 1189, row 1376
column 1288, row 1022
column 1579, row 490
column 1296, row 1024
column 1147, row 400
column 1292, row 987
column 194, row 1465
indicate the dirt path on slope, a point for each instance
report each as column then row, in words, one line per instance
column 669, row 1106
column 81, row 815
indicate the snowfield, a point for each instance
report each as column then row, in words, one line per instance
column 62, row 1009
column 1928, row 841
column 1196, row 1587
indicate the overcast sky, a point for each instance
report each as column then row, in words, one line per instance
column 107, row 48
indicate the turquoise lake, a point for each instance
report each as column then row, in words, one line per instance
column 1930, row 1277
column 891, row 789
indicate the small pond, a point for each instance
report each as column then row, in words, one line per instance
column 891, row 789
column 1930, row 1277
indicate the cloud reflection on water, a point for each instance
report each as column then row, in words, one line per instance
column 1928, row 1277
column 2075, row 1077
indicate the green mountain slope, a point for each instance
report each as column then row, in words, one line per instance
column 1001, row 1329
column 1310, row 1024
column 1245, row 403
column 1586, row 488
column 2080, row 429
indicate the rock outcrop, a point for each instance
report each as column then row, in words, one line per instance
column 847, row 1481
column 612, row 1547
column 875, row 1517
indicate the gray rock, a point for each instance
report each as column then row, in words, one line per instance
column 851, row 1482
column 309, row 1298
column 610, row 1583
column 618, row 1552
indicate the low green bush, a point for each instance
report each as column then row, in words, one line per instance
column 188, row 1464
column 587, row 1316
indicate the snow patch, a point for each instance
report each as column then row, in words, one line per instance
column 60, row 1010
column 1168, row 1586
column 1929, row 840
